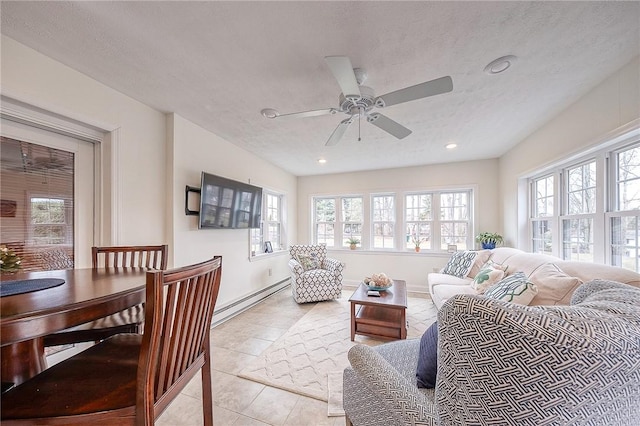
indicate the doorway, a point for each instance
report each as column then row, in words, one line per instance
column 47, row 186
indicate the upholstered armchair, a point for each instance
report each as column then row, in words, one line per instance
column 500, row 363
column 314, row 276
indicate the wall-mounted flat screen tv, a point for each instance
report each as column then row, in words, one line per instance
column 226, row 203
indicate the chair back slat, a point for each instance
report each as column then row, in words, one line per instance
column 175, row 345
column 150, row 257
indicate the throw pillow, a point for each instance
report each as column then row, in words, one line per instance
column 308, row 261
column 554, row 286
column 489, row 274
column 460, row 263
column 428, row 358
column 514, row 288
column 481, row 258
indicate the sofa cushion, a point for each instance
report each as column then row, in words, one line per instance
column 428, row 358
column 554, row 286
column 514, row 288
column 460, row 263
column 489, row 274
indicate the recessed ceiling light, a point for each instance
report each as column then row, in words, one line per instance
column 451, row 145
column 500, row 65
column 269, row 113
column 321, row 160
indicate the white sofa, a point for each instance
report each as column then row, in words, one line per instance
column 556, row 279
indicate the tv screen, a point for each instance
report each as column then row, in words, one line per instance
column 226, row 203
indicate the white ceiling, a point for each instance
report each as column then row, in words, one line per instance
column 218, row 64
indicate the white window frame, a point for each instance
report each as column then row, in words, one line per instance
column 259, row 236
column 606, row 209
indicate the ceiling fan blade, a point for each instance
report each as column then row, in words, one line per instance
column 339, row 132
column 419, row 91
column 312, row 113
column 343, row 72
column 388, row 125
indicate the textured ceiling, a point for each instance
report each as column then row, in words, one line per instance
column 218, row 64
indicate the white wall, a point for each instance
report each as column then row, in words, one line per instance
column 155, row 157
column 191, row 150
column 612, row 104
column 412, row 267
column 33, row 78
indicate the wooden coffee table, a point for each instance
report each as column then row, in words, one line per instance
column 382, row 317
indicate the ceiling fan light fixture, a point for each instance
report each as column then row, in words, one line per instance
column 500, row 65
column 269, row 113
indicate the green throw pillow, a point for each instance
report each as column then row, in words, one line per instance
column 515, row 288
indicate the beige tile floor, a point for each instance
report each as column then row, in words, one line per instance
column 239, row 401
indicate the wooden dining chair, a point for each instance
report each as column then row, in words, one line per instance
column 131, row 378
column 126, row 321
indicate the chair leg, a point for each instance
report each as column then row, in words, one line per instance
column 207, row 393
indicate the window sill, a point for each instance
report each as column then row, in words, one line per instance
column 262, row 256
column 435, row 253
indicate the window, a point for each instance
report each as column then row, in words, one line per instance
column 595, row 222
column 436, row 218
column 580, row 207
column 455, row 219
column 325, row 219
column 542, row 214
column 337, row 219
column 48, row 223
column 625, row 223
column 418, row 219
column 383, row 220
column 351, row 219
column 271, row 228
column 38, row 189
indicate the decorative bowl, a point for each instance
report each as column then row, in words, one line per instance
column 378, row 288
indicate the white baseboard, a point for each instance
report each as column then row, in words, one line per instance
column 231, row 309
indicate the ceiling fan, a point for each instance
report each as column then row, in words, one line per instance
column 358, row 101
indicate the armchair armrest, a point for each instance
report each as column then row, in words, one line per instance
column 295, row 267
column 334, row 265
column 398, row 393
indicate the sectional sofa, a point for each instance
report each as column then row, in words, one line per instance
column 555, row 279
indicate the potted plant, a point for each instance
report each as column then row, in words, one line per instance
column 353, row 242
column 9, row 261
column 489, row 240
column 416, row 240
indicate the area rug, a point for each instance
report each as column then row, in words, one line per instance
column 300, row 361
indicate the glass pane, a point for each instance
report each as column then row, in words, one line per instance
column 542, row 241
column 383, row 208
column 352, row 209
column 581, row 189
column 418, row 207
column 420, row 232
column 454, row 206
column 324, row 234
column 453, row 233
column 625, row 242
column 577, row 242
column 325, row 210
column 543, row 197
column 629, row 179
column 383, row 235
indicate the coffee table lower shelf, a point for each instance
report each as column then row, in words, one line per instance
column 377, row 321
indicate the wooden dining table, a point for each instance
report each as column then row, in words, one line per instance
column 86, row 295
